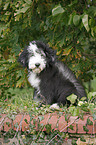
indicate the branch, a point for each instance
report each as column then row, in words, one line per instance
column 92, row 56
column 63, row 130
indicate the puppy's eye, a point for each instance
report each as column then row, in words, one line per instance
column 42, row 53
column 32, row 54
column 38, row 51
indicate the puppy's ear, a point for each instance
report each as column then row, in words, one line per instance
column 23, row 58
column 51, row 55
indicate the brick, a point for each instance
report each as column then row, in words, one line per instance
column 45, row 120
column 7, row 124
column 91, row 128
column 72, row 121
column 62, row 124
column 36, row 122
column 17, row 120
column 81, row 123
column 53, row 121
column 95, row 126
column 3, row 116
column 25, row 126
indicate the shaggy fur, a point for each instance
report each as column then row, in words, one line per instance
column 52, row 78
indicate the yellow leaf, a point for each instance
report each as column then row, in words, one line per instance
column 67, row 51
column 9, row 104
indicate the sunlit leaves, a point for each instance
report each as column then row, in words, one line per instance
column 23, row 10
column 67, row 50
column 28, row 1
column 85, row 129
column 70, row 19
column 21, row 78
column 72, row 98
column 6, row 5
column 68, row 27
column 76, row 19
column 85, row 22
column 57, row 10
column 92, row 95
column 2, row 28
column 89, row 122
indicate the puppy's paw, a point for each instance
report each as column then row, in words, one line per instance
column 55, row 106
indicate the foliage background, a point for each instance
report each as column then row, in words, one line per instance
column 69, row 26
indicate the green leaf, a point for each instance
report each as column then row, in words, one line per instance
column 85, row 22
column 72, row 3
column 17, row 17
column 12, row 66
column 6, row 6
column 91, row 107
column 23, row 10
column 2, row 27
column 82, row 139
column 70, row 19
column 8, row 123
column 83, row 99
column 71, row 127
column 85, row 128
column 62, row 42
column 48, row 128
column 89, row 122
column 28, row 1
column 76, row 20
column 19, row 82
column 57, row 10
column 26, row 121
column 74, row 110
column 16, row 125
column 40, row 118
column 66, row 119
column 94, row 116
column 67, row 50
column 34, row 121
column 19, row 73
column 91, row 95
column 72, row 98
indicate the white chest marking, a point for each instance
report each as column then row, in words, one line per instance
column 34, row 80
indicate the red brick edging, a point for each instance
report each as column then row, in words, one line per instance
column 56, row 121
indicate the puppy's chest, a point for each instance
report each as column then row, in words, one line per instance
column 34, row 80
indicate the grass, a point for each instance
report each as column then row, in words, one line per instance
column 16, row 101
column 93, row 85
column 21, row 101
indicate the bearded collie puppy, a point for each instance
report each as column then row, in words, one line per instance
column 51, row 78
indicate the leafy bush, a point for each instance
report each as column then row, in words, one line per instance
column 68, row 26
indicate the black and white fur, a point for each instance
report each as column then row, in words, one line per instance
column 52, row 78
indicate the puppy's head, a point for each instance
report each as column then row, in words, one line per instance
column 37, row 56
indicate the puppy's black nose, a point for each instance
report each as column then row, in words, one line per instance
column 37, row 64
